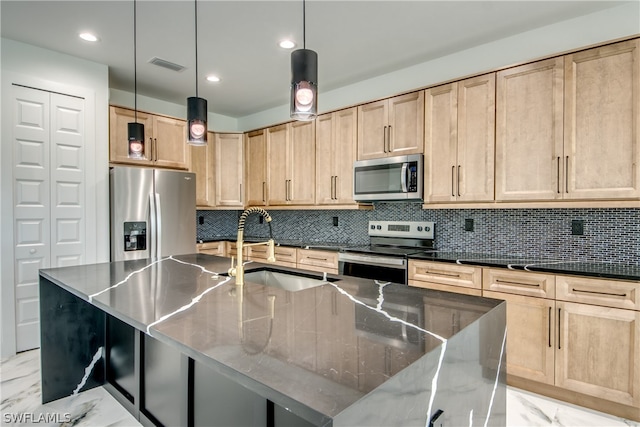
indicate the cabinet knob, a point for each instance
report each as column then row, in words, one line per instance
column 32, row 251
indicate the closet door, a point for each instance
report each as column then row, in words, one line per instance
column 49, row 196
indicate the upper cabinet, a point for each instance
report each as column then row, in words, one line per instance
column 165, row 139
column 219, row 171
column 255, row 162
column 336, row 144
column 567, row 128
column 460, row 140
column 391, row 127
column 291, row 164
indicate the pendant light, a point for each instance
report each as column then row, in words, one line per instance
column 196, row 107
column 135, row 130
column 304, row 79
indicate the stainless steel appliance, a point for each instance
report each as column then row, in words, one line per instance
column 153, row 213
column 385, row 258
column 391, row 178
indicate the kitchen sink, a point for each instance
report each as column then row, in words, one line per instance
column 287, row 280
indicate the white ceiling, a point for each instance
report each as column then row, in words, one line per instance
column 237, row 40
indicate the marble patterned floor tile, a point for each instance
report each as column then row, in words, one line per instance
column 20, row 400
column 20, row 397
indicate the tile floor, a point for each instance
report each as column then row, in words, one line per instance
column 20, row 404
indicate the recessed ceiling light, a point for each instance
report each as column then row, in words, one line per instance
column 88, row 37
column 287, row 44
column 213, row 78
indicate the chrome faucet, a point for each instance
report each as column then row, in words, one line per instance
column 238, row 270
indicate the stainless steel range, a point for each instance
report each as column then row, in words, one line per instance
column 385, row 258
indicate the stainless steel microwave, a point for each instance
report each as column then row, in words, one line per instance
column 391, row 178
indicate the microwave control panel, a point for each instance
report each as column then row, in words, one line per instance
column 412, row 181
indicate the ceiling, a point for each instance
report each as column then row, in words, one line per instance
column 238, row 40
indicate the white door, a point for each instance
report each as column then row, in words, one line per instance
column 48, row 176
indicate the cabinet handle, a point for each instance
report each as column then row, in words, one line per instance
column 441, row 273
column 566, row 174
column 264, row 185
column 609, row 294
column 155, row 144
column 317, row 258
column 151, row 148
column 453, row 179
column 549, row 327
column 389, row 142
column 286, row 190
column 559, row 328
column 507, row 282
column 558, row 177
column 384, row 139
column 333, row 187
column 241, row 195
column 458, row 183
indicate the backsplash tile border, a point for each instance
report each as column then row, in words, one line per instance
column 610, row 234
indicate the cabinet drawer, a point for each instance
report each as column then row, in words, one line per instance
column 519, row 283
column 212, row 248
column 285, row 256
column 442, row 273
column 609, row 293
column 315, row 260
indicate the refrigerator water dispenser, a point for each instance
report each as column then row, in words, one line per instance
column 135, row 236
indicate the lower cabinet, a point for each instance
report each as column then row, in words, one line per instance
column 213, row 248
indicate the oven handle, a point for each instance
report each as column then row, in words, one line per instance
column 391, row 262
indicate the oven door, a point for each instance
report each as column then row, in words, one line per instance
column 375, row 267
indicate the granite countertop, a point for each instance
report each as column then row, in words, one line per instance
column 305, row 354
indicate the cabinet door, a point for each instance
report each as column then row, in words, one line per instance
column 278, row 179
column 476, row 138
column 202, row 165
column 529, row 131
column 256, row 168
column 372, row 129
column 343, row 150
column 531, row 337
column 324, row 159
column 406, row 124
column 302, row 163
column 441, row 141
column 597, row 352
column 602, row 142
column 229, row 155
column 170, row 142
column 119, row 118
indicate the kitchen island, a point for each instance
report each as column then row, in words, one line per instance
column 178, row 343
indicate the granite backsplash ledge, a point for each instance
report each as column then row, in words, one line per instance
column 610, row 235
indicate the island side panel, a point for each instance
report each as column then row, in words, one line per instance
column 72, row 334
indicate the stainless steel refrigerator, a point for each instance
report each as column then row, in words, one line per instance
column 153, row 213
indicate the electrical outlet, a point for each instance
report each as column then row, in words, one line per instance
column 335, row 221
column 577, row 227
column 200, row 220
column 468, row 224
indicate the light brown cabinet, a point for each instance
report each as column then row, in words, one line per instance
column 165, row 139
column 391, row 127
column 213, row 248
column 256, row 168
column 317, row 260
column 202, row 164
column 443, row 276
column 291, row 164
column 567, row 127
column 460, row 141
column 228, row 153
column 336, row 148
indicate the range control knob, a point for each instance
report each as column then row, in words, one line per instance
column 427, row 229
column 419, row 228
column 379, row 227
column 373, row 227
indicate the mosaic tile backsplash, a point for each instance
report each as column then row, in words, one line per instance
column 610, row 235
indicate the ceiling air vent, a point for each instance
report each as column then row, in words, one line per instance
column 166, row 64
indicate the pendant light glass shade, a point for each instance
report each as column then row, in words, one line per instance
column 136, row 140
column 135, row 130
column 196, row 121
column 304, row 84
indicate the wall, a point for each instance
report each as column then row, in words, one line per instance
column 610, row 235
column 40, row 68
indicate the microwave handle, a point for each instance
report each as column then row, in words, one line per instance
column 403, row 177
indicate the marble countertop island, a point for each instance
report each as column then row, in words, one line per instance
column 348, row 352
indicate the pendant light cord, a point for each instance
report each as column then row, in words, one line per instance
column 135, row 66
column 196, row 27
column 304, row 31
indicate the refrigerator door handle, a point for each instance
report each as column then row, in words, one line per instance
column 159, row 226
column 152, row 223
